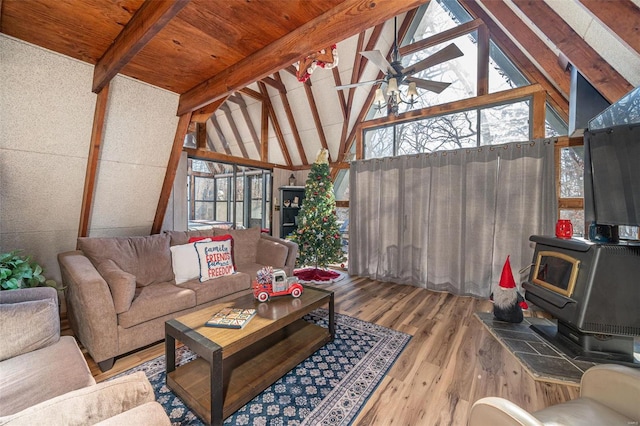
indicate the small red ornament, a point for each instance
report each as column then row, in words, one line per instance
column 324, row 219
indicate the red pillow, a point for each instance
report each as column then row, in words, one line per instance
column 196, row 239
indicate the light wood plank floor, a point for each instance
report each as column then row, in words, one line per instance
column 450, row 362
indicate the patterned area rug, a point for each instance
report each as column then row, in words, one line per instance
column 330, row 387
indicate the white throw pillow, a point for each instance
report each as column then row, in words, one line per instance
column 184, row 260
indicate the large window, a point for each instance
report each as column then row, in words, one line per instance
column 228, row 194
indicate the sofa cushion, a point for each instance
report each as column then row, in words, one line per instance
column 182, row 237
column 40, row 375
column 211, row 290
column 122, row 284
column 271, row 253
column 19, row 338
column 147, row 258
column 215, row 257
column 245, row 244
column 148, row 414
column 89, row 405
column 184, row 261
column 156, row 300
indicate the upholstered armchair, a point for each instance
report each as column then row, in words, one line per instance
column 609, row 395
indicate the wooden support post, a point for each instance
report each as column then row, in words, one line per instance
column 170, row 174
column 92, row 160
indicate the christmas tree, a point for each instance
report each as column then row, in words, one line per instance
column 318, row 233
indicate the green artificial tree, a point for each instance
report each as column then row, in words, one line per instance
column 318, row 233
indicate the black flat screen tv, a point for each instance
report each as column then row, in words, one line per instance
column 612, row 175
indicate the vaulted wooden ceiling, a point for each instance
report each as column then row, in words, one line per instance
column 231, row 60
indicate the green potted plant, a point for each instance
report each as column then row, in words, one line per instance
column 17, row 271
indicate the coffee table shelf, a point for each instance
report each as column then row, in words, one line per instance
column 219, row 382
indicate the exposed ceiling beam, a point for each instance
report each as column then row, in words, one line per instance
column 622, row 17
column 535, row 49
column 141, row 28
column 237, row 99
column 558, row 99
column 252, row 94
column 170, row 174
column 215, row 156
column 292, row 121
column 339, row 93
column 309, row 37
column 221, row 136
column 236, row 134
column 264, row 133
column 316, row 118
column 203, row 114
column 292, row 70
column 355, row 71
column 441, row 37
column 592, row 66
column 274, row 122
column 276, row 84
column 371, row 44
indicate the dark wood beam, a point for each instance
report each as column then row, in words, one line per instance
column 203, row 114
column 276, row 125
column 340, row 94
column 92, row 161
column 201, row 135
column 221, row 136
column 309, row 37
column 141, row 28
column 252, row 93
column 215, row 156
column 236, row 134
column 592, row 66
column 292, row 121
column 622, row 17
column 558, row 97
column 316, row 118
column 355, row 72
column 441, row 37
column 264, row 133
column 276, row 84
column 170, row 174
column 291, row 70
column 483, row 60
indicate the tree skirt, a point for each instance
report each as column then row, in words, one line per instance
column 318, row 276
column 329, row 387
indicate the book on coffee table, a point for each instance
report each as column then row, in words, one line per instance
column 231, row 318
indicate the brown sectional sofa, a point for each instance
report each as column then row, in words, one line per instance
column 121, row 291
column 44, row 378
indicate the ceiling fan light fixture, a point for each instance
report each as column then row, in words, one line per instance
column 412, row 92
column 379, row 100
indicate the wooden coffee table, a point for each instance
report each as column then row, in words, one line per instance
column 235, row 365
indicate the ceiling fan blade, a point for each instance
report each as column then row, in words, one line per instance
column 443, row 55
column 379, row 60
column 362, row 83
column 432, row 86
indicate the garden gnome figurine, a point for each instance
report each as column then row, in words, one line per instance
column 508, row 303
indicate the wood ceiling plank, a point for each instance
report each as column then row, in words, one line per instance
column 143, row 26
column 310, row 37
column 275, row 124
column 558, row 99
column 592, row 66
column 170, row 174
column 232, row 123
column 97, row 131
column 621, row 16
column 292, row 120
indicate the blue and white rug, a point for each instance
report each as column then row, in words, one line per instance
column 330, row 387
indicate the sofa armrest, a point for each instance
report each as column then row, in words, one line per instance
column 615, row 386
column 149, row 414
column 90, row 305
column 292, row 253
column 88, row 405
column 496, row 411
column 29, row 295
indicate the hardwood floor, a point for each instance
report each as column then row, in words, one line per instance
column 450, row 362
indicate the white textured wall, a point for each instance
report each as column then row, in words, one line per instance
column 46, row 114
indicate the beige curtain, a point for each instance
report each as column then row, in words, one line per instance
column 447, row 221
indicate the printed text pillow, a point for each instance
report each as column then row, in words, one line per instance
column 216, row 257
column 185, row 263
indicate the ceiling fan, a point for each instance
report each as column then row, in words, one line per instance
column 396, row 74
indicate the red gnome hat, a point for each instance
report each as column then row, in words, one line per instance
column 506, row 278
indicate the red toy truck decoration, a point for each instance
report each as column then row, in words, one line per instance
column 278, row 285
